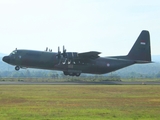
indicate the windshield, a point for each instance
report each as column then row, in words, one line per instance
column 14, row 52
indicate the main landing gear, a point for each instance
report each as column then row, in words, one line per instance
column 71, row 74
column 17, row 68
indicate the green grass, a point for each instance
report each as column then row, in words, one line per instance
column 79, row 102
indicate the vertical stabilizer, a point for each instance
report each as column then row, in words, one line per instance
column 141, row 51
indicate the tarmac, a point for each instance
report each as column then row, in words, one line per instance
column 81, row 83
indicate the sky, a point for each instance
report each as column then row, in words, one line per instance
column 107, row 26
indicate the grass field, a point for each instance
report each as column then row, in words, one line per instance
column 80, row 102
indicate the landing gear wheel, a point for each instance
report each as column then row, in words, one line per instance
column 17, row 68
column 78, row 74
column 65, row 73
column 71, row 74
column 75, row 74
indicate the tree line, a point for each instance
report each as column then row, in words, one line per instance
column 58, row 74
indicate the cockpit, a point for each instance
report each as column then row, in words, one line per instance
column 14, row 52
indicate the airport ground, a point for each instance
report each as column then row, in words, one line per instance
column 79, row 81
column 78, row 101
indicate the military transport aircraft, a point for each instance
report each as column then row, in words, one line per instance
column 73, row 63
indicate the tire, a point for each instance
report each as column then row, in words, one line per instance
column 17, row 68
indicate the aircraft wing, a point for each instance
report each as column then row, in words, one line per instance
column 89, row 55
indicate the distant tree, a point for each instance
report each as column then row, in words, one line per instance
column 17, row 74
column 53, row 74
column 27, row 73
column 158, row 75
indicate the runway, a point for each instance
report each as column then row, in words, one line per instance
column 80, row 83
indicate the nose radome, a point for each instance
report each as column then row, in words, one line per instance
column 6, row 59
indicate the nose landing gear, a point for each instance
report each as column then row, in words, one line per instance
column 17, row 68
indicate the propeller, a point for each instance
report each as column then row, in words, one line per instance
column 46, row 48
column 59, row 53
column 64, row 52
column 59, row 50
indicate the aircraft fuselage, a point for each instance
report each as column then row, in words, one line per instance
column 73, row 63
column 50, row 61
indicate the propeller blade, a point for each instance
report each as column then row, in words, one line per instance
column 59, row 53
column 64, row 51
column 58, row 49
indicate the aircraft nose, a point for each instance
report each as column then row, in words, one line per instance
column 6, row 59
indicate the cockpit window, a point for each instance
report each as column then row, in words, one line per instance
column 14, row 52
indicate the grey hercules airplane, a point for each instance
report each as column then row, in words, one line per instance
column 73, row 63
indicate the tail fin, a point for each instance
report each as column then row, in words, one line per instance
column 141, row 51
